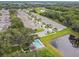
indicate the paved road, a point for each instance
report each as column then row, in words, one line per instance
column 26, row 20
column 47, row 21
column 64, row 45
column 4, row 19
column 23, row 13
column 28, row 23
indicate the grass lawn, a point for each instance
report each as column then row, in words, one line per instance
column 56, row 35
column 49, row 37
column 38, row 10
column 43, row 53
column 40, row 53
column 39, row 30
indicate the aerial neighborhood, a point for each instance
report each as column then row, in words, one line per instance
column 39, row 29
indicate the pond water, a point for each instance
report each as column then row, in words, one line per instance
column 64, row 45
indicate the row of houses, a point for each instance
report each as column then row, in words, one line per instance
column 4, row 19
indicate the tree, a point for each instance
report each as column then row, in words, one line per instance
column 19, row 38
column 68, row 20
column 15, row 38
column 75, row 26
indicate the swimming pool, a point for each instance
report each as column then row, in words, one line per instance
column 38, row 44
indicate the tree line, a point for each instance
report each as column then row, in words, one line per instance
column 66, row 16
column 16, row 39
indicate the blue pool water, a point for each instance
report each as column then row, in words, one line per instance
column 38, row 44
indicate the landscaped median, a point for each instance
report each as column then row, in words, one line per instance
column 49, row 37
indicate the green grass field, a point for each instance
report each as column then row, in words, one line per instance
column 39, row 30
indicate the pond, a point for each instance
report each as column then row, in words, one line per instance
column 64, row 45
